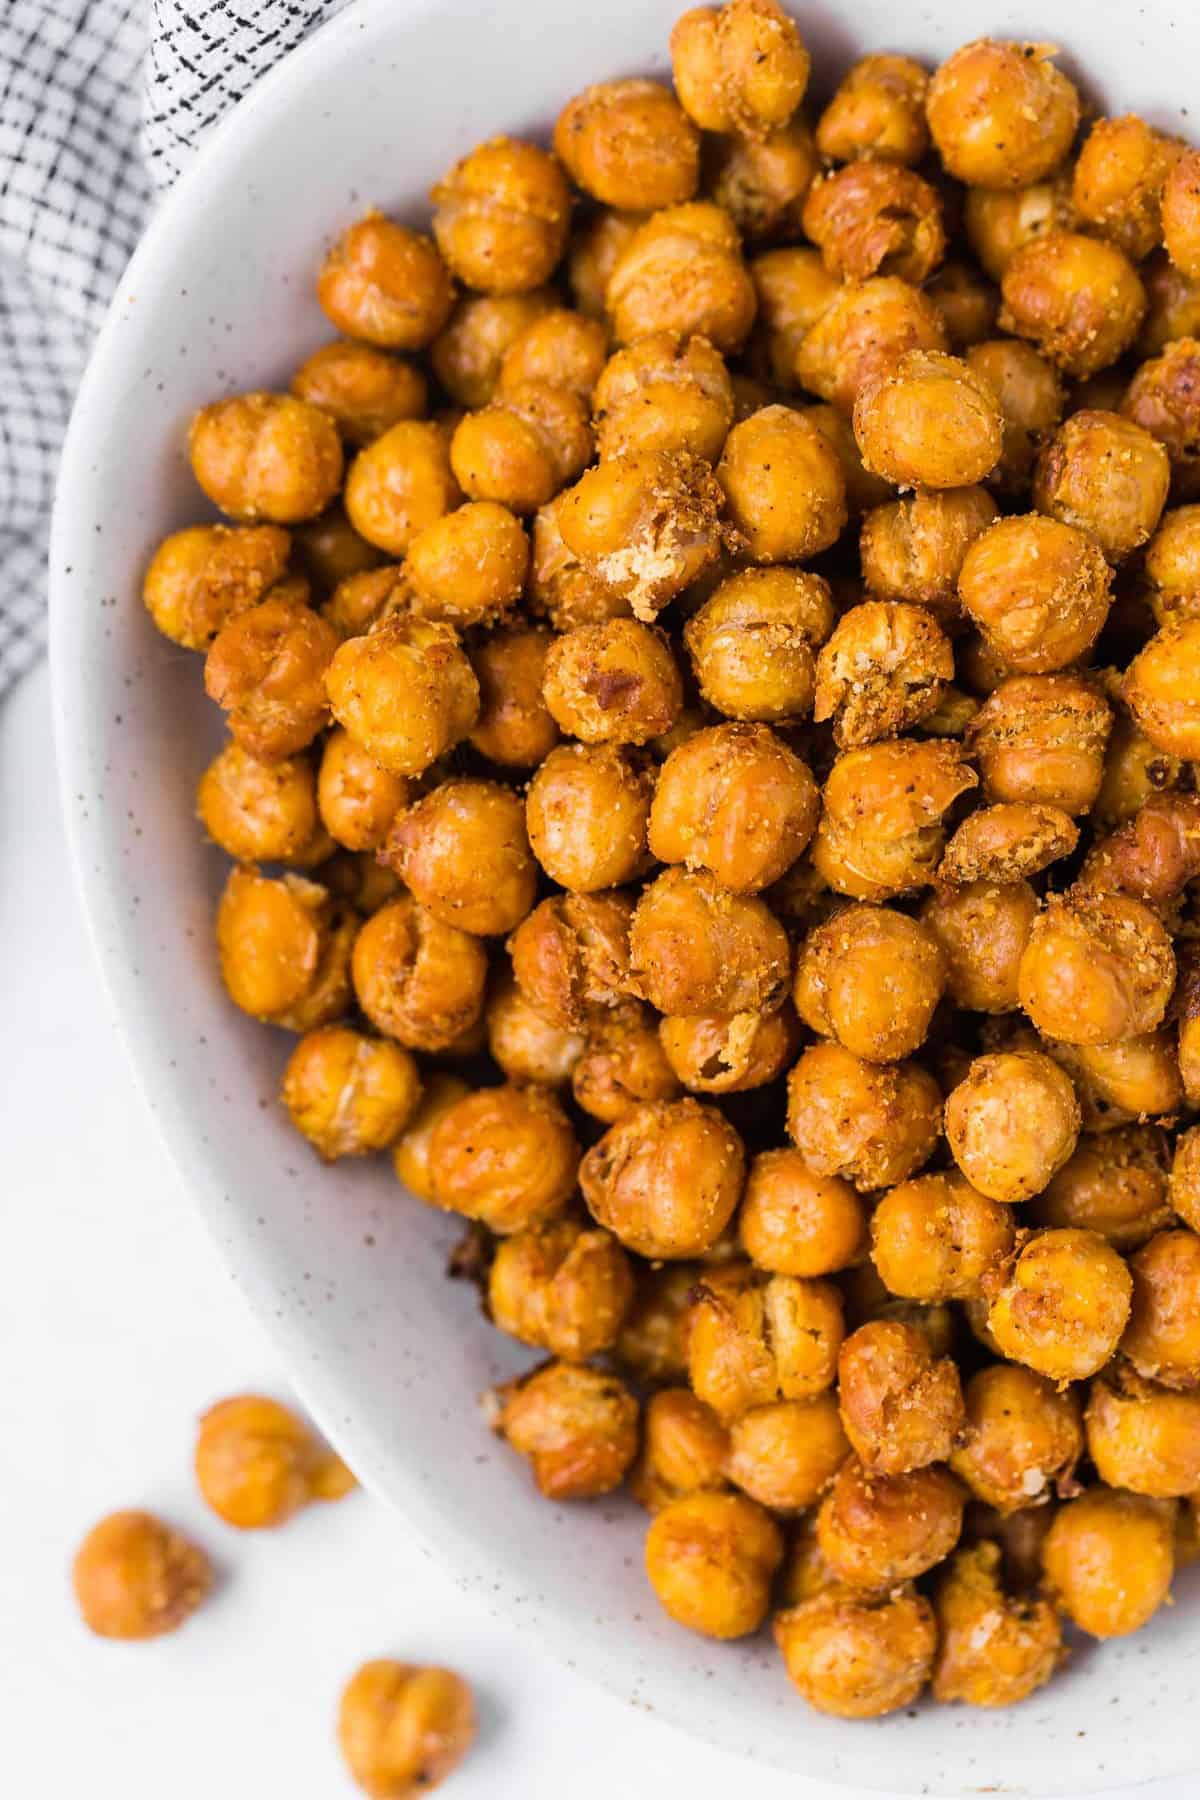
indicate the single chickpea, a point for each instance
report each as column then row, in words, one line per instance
column 1164, row 397
column 735, row 800
column 755, row 1339
column 1162, row 1339
column 329, row 551
column 560, row 589
column 726, row 1054
column 1029, row 393
column 1152, row 857
column 526, row 1046
column 871, row 978
column 667, row 393
column 595, row 248
column 858, row 1656
column 1000, row 114
column 1007, row 843
column 416, row 978
column 469, row 566
column 1041, row 739
column 1118, row 182
column 1109, row 1558
column 876, row 1531
column 284, row 949
column 876, row 218
column 402, row 1729
column 400, row 483
column 364, row 390
column 506, row 1156
column 912, row 549
column 357, row 798
column 262, row 811
column 884, row 668
column 201, row 578
column 1018, row 1536
column 684, row 1450
column 878, row 112
column 623, row 1064
column 653, row 1339
column 994, row 1647
column 586, row 811
column 561, row 1288
column 410, row 1156
column 514, row 727
column 645, row 525
column 386, row 284
column 1134, row 771
column 349, row 1094
column 935, row 1238
column 762, row 182
column 1143, row 1438
column 1162, row 690
column 999, row 222
column 785, row 1454
column 710, row 1559
column 665, row 1178
column 752, row 642
column 1172, row 565
column 266, row 669
column 1060, row 1307
column 863, row 334
column 1021, row 1440
column 1097, row 968
column 1105, row 476
column 468, row 355
column 982, row 930
column 783, row 485
column 463, row 852
column 1038, row 590
column 872, row 1124
column 1136, row 1077
column 615, row 683
column 577, row 1427
column 560, row 348
column 1180, row 218
column 523, row 447
column 881, row 832
column 362, row 600
column 266, row 456
column 629, row 144
column 570, row 956
column 1077, row 298
column 902, row 1407
column 135, row 1578
column 1172, row 309
column 696, row 948
column 257, row 1463
column 682, row 271
column 793, row 288
column 1011, row 1123
column 967, row 302
column 405, row 692
column 741, row 67
column 795, row 1222
column 1114, row 1183
column 501, row 216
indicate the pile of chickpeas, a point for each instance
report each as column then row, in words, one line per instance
column 711, row 654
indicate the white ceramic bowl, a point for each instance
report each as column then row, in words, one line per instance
column 345, row 1267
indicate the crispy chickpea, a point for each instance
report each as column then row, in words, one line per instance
column 262, row 811
column 1106, row 476
column 525, row 445
column 1118, row 182
column 653, row 1340
column 586, row 811
column 1172, row 565
column 872, row 1124
column 1097, row 968
column 1011, row 1123
column 358, row 800
column 1041, row 739
column 284, row 948
column 629, row 144
column 1109, row 1558
column 1153, row 856
column 967, row 302
column 623, row 1064
column 410, row 1156
column 876, row 218
column 403, row 1729
column 526, row 1046
column 1180, row 218
column 561, row 1288
column 405, row 692
column 1022, row 1438
column 863, row 334
column 664, row 392
column 999, row 222
column 875, row 1530
column 469, row 566
column 514, row 727
column 645, row 525
column 266, row 669
column 912, row 549
column 349, row 1094
column 754, row 1339
column 1077, row 298
column 710, row 1558
column 577, row 1427
column 682, row 272
column 364, row 390
column 793, row 288
column 871, row 978
column 468, row 355
column 506, row 1156
column 595, row 248
column 783, row 485
column 902, row 1407
column 501, row 216
column 994, row 1648
column 684, row 1450
column 418, row 979
column 1000, row 114
column 735, row 800
column 386, row 284
column 934, row 1238
column 858, row 1656
column 463, row 851
column 257, row 1463
column 728, row 1054
column 1007, row 843
column 614, row 683
column 1060, row 1307
column 1162, row 690
column 201, row 578
column 362, row 600
column 560, row 347
column 1173, row 306
column 741, row 67
column 1119, row 1082
column 400, row 483
column 1019, row 1536
column 561, row 589
column 752, row 643
column 881, row 832
column 982, row 929
column 1143, row 1438
column 1038, row 590
column 665, row 1178
column 1162, row 1339
column 136, row 1578
column 1114, row 1183
column 795, row 1222
column 266, row 456
column 571, row 955
column 761, row 182
column 878, row 112
column 884, row 668
column 1029, row 393
column 785, row 1454
column 1164, row 398
column 697, row 948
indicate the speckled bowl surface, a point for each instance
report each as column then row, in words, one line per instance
column 347, row 1269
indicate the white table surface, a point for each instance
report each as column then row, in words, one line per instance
column 117, row 1326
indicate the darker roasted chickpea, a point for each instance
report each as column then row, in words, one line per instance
column 560, row 348
column 1077, row 298
column 653, row 1339
column 710, row 1559
column 571, row 955
column 884, row 669
column 257, row 1463
column 665, row 1178
column 561, row 1288
column 523, row 447
column 876, row 1530
column 1118, row 182
column 863, row 334
column 1038, row 590
column 400, row 483
column 468, row 355
column 266, row 456
column 358, row 799
column 1000, row 114
column 501, row 215
column 506, row 1156
column 1097, row 968
column 262, row 811
column 1135, row 770
column 514, row 727
column 385, row 284
column 1021, row 1439
column 645, row 525
column 697, row 948
column 266, row 669
column 1164, row 398
column 615, row 683
column 1114, row 1183
column 871, row 978
column 664, row 393
column 1000, row 222
column 793, row 288
column 762, row 181
column 629, row 144
column 586, row 811
column 1117, row 1083
column 1106, row 476
column 1143, row 1438
column 1162, row 689
column 795, row 1222
column 364, row 390
column 785, row 1454
column 330, row 551
column 682, row 272
column 726, row 1054
column 284, row 949
column 982, row 930
column 405, row 692
column 463, row 852
column 783, row 485
column 403, row 1729
column 902, row 1407
column 912, row 549
column 968, row 304
column 735, row 800
column 469, row 566
column 684, row 1450
column 934, row 1238
column 1029, row 393
column 1007, row 843
column 1180, row 216
column 1172, row 306
column 741, row 67
column 1041, row 739
column 876, row 218
column 873, row 1124
column 410, row 1155
column 994, row 1647
column 858, row 1656
column 752, row 643
column 576, row 1426
column 1184, row 1185
column 623, row 1064
column 201, row 578
column 526, row 1046
column 1172, row 565
column 1011, row 1123
column 1153, row 856
column 1060, row 1307
column 135, row 1578
column 877, row 112
column 1109, row 1558
column 416, row 978
column 1162, row 1339
column 755, row 1339
column 881, row 832
column 362, row 600
column 349, row 1094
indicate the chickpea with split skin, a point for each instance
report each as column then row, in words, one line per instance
column 257, row 1463
column 934, row 1238
column 645, row 525
column 1021, row 1439
column 365, row 390
column 262, row 810
column 1162, row 1338
column 752, row 643
column 871, row 978
column 1078, row 299
column 735, row 800
column 284, row 949
column 200, row 578
column 1061, row 1305
column 862, row 334
column 523, row 446
column 561, row 1288
column 994, row 1647
column 464, row 853
column 418, row 979
column 710, row 1559
column 666, row 1178
column 385, row 284
column 876, row 218
column 912, row 549
column 266, row 669
column 697, row 948
column 576, row 1426
column 902, row 1406
column 875, row 1530
column 505, row 1156
column 1011, row 1123
column 1041, row 740
column 786, row 1453
column 729, row 1053
column 402, row 1729
column 501, row 216
column 1164, row 399
column 682, row 271
column 884, row 668
column 741, row 67
column 135, row 1578
column 684, row 1451
column 858, row 1656
column 1000, row 114
column 570, row 956
column 881, row 833
column 1038, row 590
column 1106, row 476
column 401, row 483
column 468, row 353
column 623, row 1064
column 587, row 809
column 664, row 392
column 753, row 1340
column 762, row 182
column 349, row 1094
column 630, row 145
column 1115, row 1182
column 1098, row 968
column 878, row 111
column 524, row 1045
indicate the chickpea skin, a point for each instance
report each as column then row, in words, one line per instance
column 468, row 355
column 1181, row 214
column 1029, row 393
column 577, row 1427
column 862, row 335
column 1000, row 114
column 201, row 578
column 1008, row 843
column 752, row 643
column 710, row 1559
column 793, row 288
column 385, row 284
column 858, row 1656
column 795, row 1222
column 1162, row 689
column 1021, row 1440
column 349, row 1094
column 682, row 271
column 1077, row 298
column 902, row 1407
column 364, row 390
column 881, row 833
column 1143, row 1438
column 526, row 1046
column 1162, row 1339
column 1097, row 968
column 629, row 144
column 623, row 1064
column 728, row 1054
column 684, row 1450
column 586, row 811
column 416, row 978
column 506, row 1156
column 135, row 1578
column 514, row 727
column 1106, row 476
column 402, row 1729
column 501, row 216
column 561, row 1288
column 266, row 456
column 523, row 447
column 934, row 1238
column 753, row 1340
column 463, row 852
column 262, row 811
column 1012, row 1123
column 469, row 566
column 696, row 948
column 876, row 1531
column 912, row 549
column 257, row 1463
column 877, row 112
column 1041, row 739
column 994, row 1648
column 871, row 978
column 741, row 67
column 783, row 486
column 872, row 1124
column 1061, row 1306
column 1109, row 1558
column 615, row 683
column 284, row 949
column 266, row 669
column 1038, row 590
column 664, row 392
column 570, row 956
column 735, row 800
column 1172, row 565
column 876, row 218
column 644, row 525
column 884, row 668
column 666, row 1178
column 400, row 483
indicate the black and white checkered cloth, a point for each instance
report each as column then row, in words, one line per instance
column 102, row 102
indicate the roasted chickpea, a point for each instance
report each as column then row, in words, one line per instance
column 1162, row 690
column 902, row 1407
column 1106, row 476
column 1162, row 1339
column 362, row 600
column 755, row 1339
column 793, row 288
column 266, row 456
column 665, row 392
column 284, row 948
column 876, row 218
column 468, row 355
column 349, row 1094
column 1172, row 565
column 1119, row 1082
column 560, row 588
column 871, row 978
column 982, row 930
column 358, row 800
column 735, row 800
column 400, row 483
column 561, row 1288
column 878, row 112
column 1022, row 1438
column 968, row 304
column 385, row 284
column 417, row 978
column 684, row 1450
column 1172, row 309
column 1118, row 182
column 1142, row 1437
column 795, row 1222
column 858, row 1656
column 329, row 551
column 586, row 812
column 682, row 272
column 201, row 578
column 257, row 1463
column 884, row 669
column 1134, row 772
column 136, row 1578
column 514, row 727
column 526, row 1046
column 762, row 181
column 783, row 485
column 463, row 851
column 1029, row 393
column 1077, row 298
column 364, row 390
column 1115, row 1184
column 262, row 811
column 469, row 566
column 872, row 1124
column 727, row 1054
column 1180, row 216
column 881, row 831
column 501, row 216
column 560, row 347
column 863, row 334
column 697, row 948
column 1097, row 968
column 577, row 1426
column 710, row 1559
column 665, row 1178
column 629, row 144
column 741, row 67
column 912, row 549
column 934, row 1238
column 653, row 1339
column 406, row 692
column 571, row 955
column 623, row 1064
column 266, row 669
column 994, row 1648
column 1060, row 1307
column 644, row 524
column 525, row 445
column 614, row 683
column 595, row 248
column 506, row 1156
column 403, row 1729
column 875, row 1530
column 1041, row 739
column 1008, row 843
column 1109, row 1558
column 752, row 643
column 1000, row 222
column 410, row 1157
column 1011, row 1123
column 1000, row 114
column 1163, row 398
column 1038, row 590
column 785, row 1454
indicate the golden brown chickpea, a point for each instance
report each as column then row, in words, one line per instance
column 726, row 1054
column 468, row 355
column 629, row 144
column 994, row 1648
column 1173, row 306
column 1041, row 739
column 934, row 1238
column 358, row 799
column 1038, row 590
column 526, row 1046
column 561, row 1288
column 364, row 390
column 577, row 1426
column 571, row 955
column 360, row 601
column 884, row 669
column 595, row 249
column 623, row 1064
column 330, row 551
column 1162, row 1339
column 912, row 549
column 682, row 272
column 410, row 1157
column 877, row 112
column 863, row 334
column 785, row 1454
column 684, row 1450
column 697, row 948
column 284, row 948
column 1105, row 476
column 1172, row 565
column 872, row 1124
column 349, row 1094
column 201, row 578
column 752, row 643
column 1114, row 1183
column 1060, row 1307
column 416, row 978
column 1011, row 1123
column 506, row 1156
column 755, row 1339
column 1184, row 1184
column 665, row 1178
column 260, row 811
column 1143, row 1438
column 795, row 1222
column 1098, row 968
column 469, row 566
column 1029, row 393
column 710, row 1559
column 761, row 182
column 741, row 67
column 858, row 1656
column 1134, row 771
column 266, row 456
column 514, row 727
column 876, row 218
column 386, row 284
column 1118, row 182
column 871, row 978
column 463, row 851
column 615, row 683
column 653, row 1340
column 1007, row 843
column 1077, row 298
column 665, row 392
column 968, row 304
column 735, row 800
column 644, row 524
column 982, row 930
column 405, row 692
column 1000, row 114
column 875, row 1530
column 1180, row 219
column 1135, row 1077
column 403, row 1729
column 586, row 812
column 1163, row 398
column 561, row 348
column 1162, row 690
column 501, row 216
column 881, row 831
column 998, row 223
column 1022, row 1438
column 783, row 485
column 793, row 288
column 135, row 1578
column 525, row 445
column 1152, row 857
column 902, row 1407
column 864, row 489
column 257, row 1463
column 266, row 669
column 400, row 483
column 1109, row 1558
